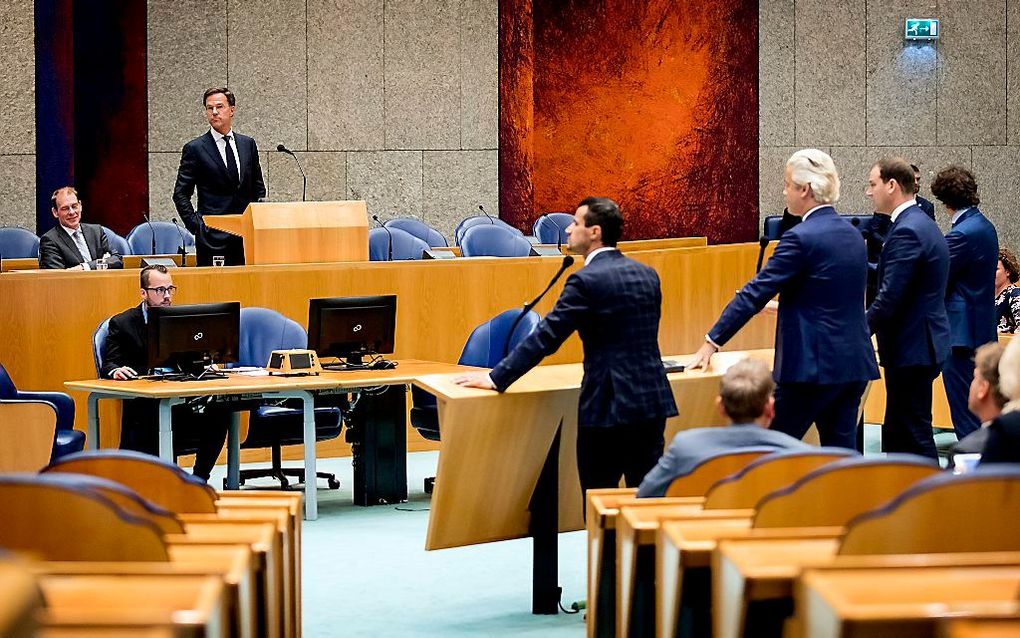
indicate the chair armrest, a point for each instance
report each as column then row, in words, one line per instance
column 62, row 403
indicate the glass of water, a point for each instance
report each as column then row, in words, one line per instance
column 101, row 264
column 219, row 260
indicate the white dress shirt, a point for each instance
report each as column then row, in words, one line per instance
column 959, row 214
column 221, row 146
column 83, row 247
column 902, row 207
column 591, row 255
column 805, row 216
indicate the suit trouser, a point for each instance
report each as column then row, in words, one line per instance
column 605, row 454
column 957, row 374
column 907, row 426
column 210, row 243
column 832, row 407
column 202, row 433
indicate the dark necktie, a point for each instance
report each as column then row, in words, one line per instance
column 231, row 162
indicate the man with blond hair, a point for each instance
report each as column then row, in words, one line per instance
column 985, row 400
column 908, row 315
column 745, row 400
column 824, row 357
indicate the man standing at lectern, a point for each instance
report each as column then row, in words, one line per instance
column 614, row 303
column 224, row 166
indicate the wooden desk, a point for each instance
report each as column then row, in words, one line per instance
column 244, row 389
column 20, row 602
column 440, row 303
column 131, row 262
column 980, row 628
column 908, row 602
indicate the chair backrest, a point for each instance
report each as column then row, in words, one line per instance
column 117, row 243
column 129, row 501
column 767, row 474
column 27, row 429
column 57, row 518
column 262, row 331
column 7, row 388
column 551, row 228
column 974, row 512
column 771, row 227
column 835, row 493
column 485, row 345
column 419, row 229
column 699, row 480
column 159, row 482
column 99, row 346
column 168, row 238
column 405, row 245
column 488, row 240
column 18, row 243
column 470, row 222
column 857, row 219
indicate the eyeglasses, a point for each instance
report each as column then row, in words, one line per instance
column 163, row 291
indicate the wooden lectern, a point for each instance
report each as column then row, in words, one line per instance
column 299, row 232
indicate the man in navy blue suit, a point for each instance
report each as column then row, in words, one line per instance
column 824, row 357
column 970, row 292
column 909, row 312
column 614, row 303
column 922, row 203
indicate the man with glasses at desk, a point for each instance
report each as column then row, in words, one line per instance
column 201, row 427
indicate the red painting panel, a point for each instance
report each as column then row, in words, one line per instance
column 653, row 103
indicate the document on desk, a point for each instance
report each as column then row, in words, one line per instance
column 248, row 371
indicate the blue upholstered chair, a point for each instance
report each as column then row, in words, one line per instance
column 484, row 349
column 405, row 245
column 273, row 426
column 470, row 222
column 117, row 243
column 419, row 229
column 857, row 219
column 488, row 240
column 18, row 243
column 66, row 439
column 551, row 228
column 168, row 238
column 770, row 227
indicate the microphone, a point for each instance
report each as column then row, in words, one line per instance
column 182, row 251
column 855, row 221
column 152, row 232
column 486, row 214
column 388, row 232
column 762, row 245
column 304, row 180
column 568, row 261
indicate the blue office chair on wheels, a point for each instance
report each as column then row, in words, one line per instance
column 66, row 440
column 551, row 228
column 419, row 229
column 168, row 238
column 405, row 245
column 275, row 425
column 18, row 243
column 487, row 240
column 478, row 220
column 484, row 349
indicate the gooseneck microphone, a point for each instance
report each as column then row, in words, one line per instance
column 152, row 232
column 183, row 251
column 763, row 243
column 491, row 221
column 568, row 261
column 389, row 233
column 304, row 180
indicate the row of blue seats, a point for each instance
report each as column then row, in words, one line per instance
column 772, row 226
column 478, row 236
column 18, row 243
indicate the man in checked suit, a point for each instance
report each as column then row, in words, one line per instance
column 824, row 357
column 970, row 292
column 908, row 314
column 73, row 245
column 614, row 303
column 225, row 168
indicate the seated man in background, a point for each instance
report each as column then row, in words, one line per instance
column 72, row 245
column 126, row 356
column 985, row 400
column 1003, row 444
column 745, row 399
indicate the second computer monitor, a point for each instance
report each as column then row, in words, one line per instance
column 352, row 327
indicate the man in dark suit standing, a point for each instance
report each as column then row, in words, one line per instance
column 73, row 245
column 225, row 168
column 824, row 357
column 909, row 313
column 126, row 356
column 614, row 303
column 970, row 292
column 922, row 203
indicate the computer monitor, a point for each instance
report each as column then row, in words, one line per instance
column 188, row 338
column 352, row 327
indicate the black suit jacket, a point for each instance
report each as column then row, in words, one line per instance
column 57, row 250
column 1003, row 443
column 203, row 169
column 127, row 342
column 614, row 304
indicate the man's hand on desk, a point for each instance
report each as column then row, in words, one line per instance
column 124, row 374
column 78, row 267
column 476, row 380
column 703, row 357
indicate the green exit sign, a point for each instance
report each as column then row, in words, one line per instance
column 921, row 29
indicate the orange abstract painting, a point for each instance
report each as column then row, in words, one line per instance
column 653, row 103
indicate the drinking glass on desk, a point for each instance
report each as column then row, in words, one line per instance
column 219, row 260
column 101, row 264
